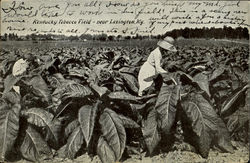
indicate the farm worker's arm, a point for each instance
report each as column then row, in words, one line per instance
column 157, row 58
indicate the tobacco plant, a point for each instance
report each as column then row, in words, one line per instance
column 73, row 101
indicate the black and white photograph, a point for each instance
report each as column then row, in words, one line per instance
column 124, row 81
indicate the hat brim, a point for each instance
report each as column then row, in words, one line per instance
column 167, row 46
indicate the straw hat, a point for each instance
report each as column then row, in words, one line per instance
column 167, row 43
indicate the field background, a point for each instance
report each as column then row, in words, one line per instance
column 125, row 43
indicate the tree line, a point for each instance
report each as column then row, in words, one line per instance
column 217, row 33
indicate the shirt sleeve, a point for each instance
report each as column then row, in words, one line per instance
column 157, row 59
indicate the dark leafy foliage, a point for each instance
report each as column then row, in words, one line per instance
column 74, row 143
column 104, row 151
column 150, row 131
column 33, row 147
column 39, row 87
column 113, row 132
column 42, row 118
column 76, row 90
column 9, row 82
column 9, row 122
column 230, row 101
column 128, row 123
column 87, row 115
column 70, row 128
column 201, row 118
column 76, row 100
column 166, row 106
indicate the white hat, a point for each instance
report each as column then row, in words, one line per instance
column 167, row 44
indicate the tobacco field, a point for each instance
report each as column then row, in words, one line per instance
column 82, row 101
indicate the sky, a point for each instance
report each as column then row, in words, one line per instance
column 73, row 17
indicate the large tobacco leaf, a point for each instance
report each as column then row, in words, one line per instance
column 113, row 132
column 130, row 81
column 129, row 70
column 145, row 107
column 63, row 106
column 42, row 118
column 104, row 151
column 33, row 147
column 220, row 90
column 166, row 106
column 61, row 87
column 39, row 87
column 38, row 117
column 9, row 82
column 206, row 125
column 202, row 80
column 52, row 135
column 62, row 151
column 137, row 60
column 100, row 91
column 166, row 76
column 47, row 61
column 12, row 97
column 58, row 80
column 86, row 117
column 227, row 108
column 122, row 96
column 222, row 137
column 216, row 73
column 239, row 118
column 7, row 63
column 47, row 65
column 128, row 123
column 9, row 126
column 74, row 143
column 75, row 90
column 70, row 127
column 150, row 131
column 78, row 72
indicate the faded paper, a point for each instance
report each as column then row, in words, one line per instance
column 80, row 28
